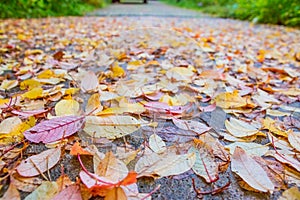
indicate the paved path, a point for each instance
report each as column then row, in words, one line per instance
column 153, row 8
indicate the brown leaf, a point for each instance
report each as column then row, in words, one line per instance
column 25, row 184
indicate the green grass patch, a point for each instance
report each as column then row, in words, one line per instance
column 45, row 8
column 283, row 12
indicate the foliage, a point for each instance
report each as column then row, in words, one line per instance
column 284, row 12
column 44, row 8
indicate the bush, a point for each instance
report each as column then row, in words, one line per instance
column 285, row 12
column 44, row 8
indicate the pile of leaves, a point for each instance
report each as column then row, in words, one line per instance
column 91, row 106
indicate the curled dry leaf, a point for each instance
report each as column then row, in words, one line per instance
column 54, row 129
column 37, row 164
column 111, row 127
column 250, row 171
column 239, row 128
column 190, row 125
column 205, row 165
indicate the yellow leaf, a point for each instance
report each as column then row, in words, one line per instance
column 29, row 84
column 16, row 134
column 46, row 74
column 117, row 71
column 116, row 193
column 94, row 104
column 34, row 93
column 180, row 74
column 231, row 100
column 67, row 107
column 132, row 65
column 270, row 124
column 8, row 84
column 71, row 91
column 292, row 193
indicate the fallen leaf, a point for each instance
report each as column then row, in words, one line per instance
column 116, row 193
column 46, row 191
column 71, row 193
column 271, row 125
column 94, row 104
column 38, row 164
column 292, row 193
column 111, row 168
column 239, row 128
column 8, row 84
column 26, row 184
column 250, row 171
column 33, row 93
column 294, row 139
column 156, row 144
column 9, row 124
column 111, row 127
column 89, row 81
column 77, row 149
column 232, row 100
column 54, row 129
column 190, row 125
column 205, row 165
column 67, row 107
column 162, row 165
column 11, row 193
column 251, row 148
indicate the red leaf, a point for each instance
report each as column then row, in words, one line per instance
column 129, row 179
column 54, row 129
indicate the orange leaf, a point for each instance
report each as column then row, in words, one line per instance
column 77, row 149
column 129, row 179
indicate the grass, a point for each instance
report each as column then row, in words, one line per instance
column 282, row 12
column 45, row 8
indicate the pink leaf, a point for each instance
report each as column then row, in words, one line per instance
column 161, row 107
column 71, row 193
column 28, row 113
column 37, row 164
column 91, row 180
column 54, row 129
column 208, row 108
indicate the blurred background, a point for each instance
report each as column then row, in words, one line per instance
column 282, row 12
